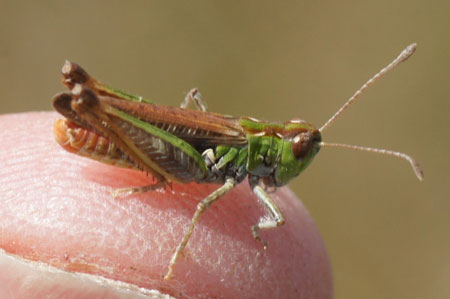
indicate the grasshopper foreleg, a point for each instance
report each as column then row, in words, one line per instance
column 272, row 220
column 201, row 208
column 194, row 96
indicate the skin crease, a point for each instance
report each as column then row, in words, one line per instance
column 57, row 209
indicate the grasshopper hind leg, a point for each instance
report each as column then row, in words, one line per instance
column 274, row 217
column 201, row 208
column 124, row 192
column 194, row 96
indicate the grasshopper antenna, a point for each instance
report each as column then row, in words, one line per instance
column 415, row 166
column 404, row 55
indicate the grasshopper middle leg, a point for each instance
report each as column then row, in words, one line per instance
column 201, row 208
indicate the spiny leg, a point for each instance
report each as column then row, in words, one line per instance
column 124, row 192
column 194, row 96
column 201, row 208
column 272, row 220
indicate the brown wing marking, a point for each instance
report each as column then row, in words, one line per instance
column 195, row 127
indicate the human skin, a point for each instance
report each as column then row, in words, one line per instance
column 57, row 213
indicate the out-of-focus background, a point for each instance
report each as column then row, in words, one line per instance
column 388, row 235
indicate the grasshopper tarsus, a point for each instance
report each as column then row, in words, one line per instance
column 257, row 237
column 194, row 97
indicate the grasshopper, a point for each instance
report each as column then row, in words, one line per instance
column 193, row 145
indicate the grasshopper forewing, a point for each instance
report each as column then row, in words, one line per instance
column 191, row 145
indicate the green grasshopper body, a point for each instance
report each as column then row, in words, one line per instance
column 186, row 145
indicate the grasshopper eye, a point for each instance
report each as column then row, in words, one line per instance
column 304, row 142
column 301, row 144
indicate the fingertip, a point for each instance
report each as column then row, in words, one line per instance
column 61, row 212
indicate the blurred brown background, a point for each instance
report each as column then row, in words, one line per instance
column 387, row 234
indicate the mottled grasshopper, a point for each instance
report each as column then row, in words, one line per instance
column 192, row 145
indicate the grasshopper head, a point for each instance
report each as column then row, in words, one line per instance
column 301, row 142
